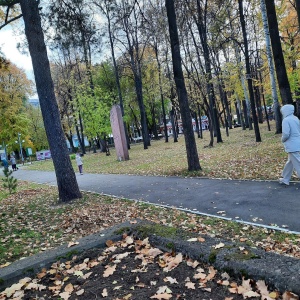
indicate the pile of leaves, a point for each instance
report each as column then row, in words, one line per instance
column 133, row 269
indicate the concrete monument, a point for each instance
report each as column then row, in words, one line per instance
column 118, row 130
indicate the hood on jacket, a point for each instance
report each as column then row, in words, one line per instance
column 287, row 110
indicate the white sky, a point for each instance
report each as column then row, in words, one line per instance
column 8, row 46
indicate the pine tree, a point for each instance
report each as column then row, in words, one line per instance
column 9, row 181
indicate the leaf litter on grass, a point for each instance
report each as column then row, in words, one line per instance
column 32, row 221
column 238, row 157
column 133, row 269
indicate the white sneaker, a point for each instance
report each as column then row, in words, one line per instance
column 281, row 181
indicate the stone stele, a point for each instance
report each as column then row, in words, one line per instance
column 118, row 130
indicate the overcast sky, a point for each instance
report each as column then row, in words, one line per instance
column 8, row 46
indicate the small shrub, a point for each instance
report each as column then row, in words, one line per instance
column 9, row 181
column 72, row 156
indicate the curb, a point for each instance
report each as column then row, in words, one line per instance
column 33, row 264
column 237, row 259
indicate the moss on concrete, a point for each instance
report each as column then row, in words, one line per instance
column 155, row 229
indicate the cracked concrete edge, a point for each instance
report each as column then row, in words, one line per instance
column 280, row 271
column 31, row 265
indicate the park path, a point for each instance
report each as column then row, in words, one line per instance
column 260, row 202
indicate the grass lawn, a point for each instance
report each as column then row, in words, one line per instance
column 32, row 221
column 238, row 157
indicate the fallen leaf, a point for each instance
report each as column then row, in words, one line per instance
column 192, row 240
column 170, row 279
column 78, row 273
column 250, row 294
column 221, row 245
column 173, row 263
column 289, row 296
column 109, row 271
column 201, row 239
column 104, row 293
column 71, row 244
column 212, row 273
column 25, row 280
column 223, row 282
column 80, row 292
column 129, row 240
column 5, row 265
column 190, row 285
column 64, row 295
column 154, row 252
column 11, row 290
column 109, row 243
column 164, row 289
column 164, row 296
column 263, row 289
column 69, row 288
column 87, row 275
column 192, row 263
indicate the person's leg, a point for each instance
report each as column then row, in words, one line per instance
column 287, row 171
column 295, row 158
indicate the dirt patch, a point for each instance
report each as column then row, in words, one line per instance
column 134, row 269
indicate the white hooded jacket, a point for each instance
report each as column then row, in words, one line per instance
column 290, row 129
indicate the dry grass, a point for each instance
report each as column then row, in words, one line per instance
column 238, row 157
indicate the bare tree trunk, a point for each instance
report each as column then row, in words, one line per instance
column 278, row 118
column 297, row 2
column 283, row 82
column 67, row 184
column 161, row 94
column 190, row 142
column 199, row 113
column 248, row 71
column 107, row 11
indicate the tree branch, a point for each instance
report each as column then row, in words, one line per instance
column 11, row 20
column 8, row 2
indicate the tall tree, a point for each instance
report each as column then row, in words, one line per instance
column 283, row 82
column 107, row 8
column 14, row 88
column 297, row 3
column 67, row 184
column 190, row 142
column 248, row 72
column 131, row 20
column 200, row 18
column 271, row 67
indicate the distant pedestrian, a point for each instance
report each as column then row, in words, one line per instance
column 291, row 141
column 13, row 163
column 79, row 163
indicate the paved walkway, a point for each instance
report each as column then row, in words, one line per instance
column 260, row 202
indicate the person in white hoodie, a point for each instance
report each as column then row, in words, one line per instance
column 291, row 141
column 79, row 163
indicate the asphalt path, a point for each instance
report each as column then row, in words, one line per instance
column 263, row 203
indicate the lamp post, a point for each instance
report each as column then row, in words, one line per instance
column 20, row 144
